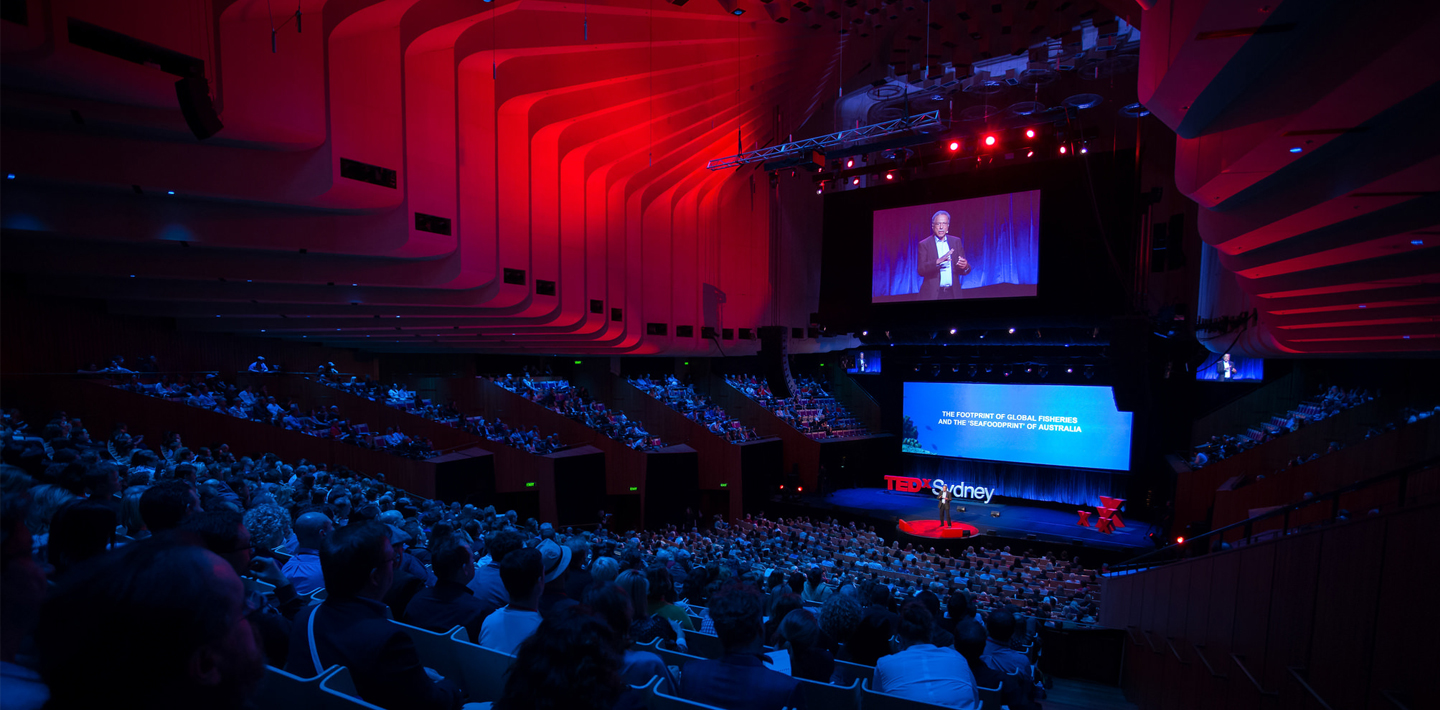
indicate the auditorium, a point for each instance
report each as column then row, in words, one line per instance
column 517, row 354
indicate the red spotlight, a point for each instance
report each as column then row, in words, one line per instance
column 1180, row 540
column 782, row 486
column 1062, row 150
column 855, row 181
column 1029, row 153
column 889, row 176
column 850, row 163
column 954, row 146
column 989, row 140
column 800, row 489
column 1029, row 133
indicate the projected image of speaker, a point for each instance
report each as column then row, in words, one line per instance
column 199, row 111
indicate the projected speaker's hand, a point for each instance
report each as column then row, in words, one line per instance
column 941, row 260
column 962, row 264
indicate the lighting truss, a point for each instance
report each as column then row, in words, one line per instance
column 878, row 130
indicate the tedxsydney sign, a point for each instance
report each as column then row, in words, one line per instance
column 906, row 484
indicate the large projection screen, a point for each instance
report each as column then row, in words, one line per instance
column 1045, row 425
column 998, row 237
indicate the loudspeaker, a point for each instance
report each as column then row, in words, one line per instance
column 199, row 111
column 775, row 360
column 1130, row 362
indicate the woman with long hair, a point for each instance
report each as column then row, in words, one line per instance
column 570, row 662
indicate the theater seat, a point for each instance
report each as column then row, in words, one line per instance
column 437, row 651
column 482, row 670
column 990, row 698
column 284, row 691
column 871, row 700
column 856, row 670
column 660, row 701
column 824, row 696
column 704, row 645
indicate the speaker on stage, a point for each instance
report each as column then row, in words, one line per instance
column 775, row 359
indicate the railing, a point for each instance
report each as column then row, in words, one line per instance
column 1202, row 542
column 1200, row 654
column 1241, row 663
column 1295, row 673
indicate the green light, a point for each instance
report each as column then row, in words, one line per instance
column 724, row 485
column 530, row 484
column 577, row 362
column 687, row 362
column 634, row 488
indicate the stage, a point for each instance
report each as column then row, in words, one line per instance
column 1016, row 521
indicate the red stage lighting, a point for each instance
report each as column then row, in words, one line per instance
column 855, row 181
column 1029, row 153
column 850, row 163
column 1062, row 150
column 800, row 489
column 1029, row 133
column 889, row 176
column 1180, row 540
column 989, row 140
column 954, row 146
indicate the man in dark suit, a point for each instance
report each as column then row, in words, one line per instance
column 739, row 680
column 945, row 506
column 352, row 628
column 941, row 261
column 449, row 602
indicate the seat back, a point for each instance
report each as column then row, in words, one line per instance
column 824, row 696
column 340, row 693
column 673, row 658
column 989, row 698
column 863, row 672
column 658, row 700
column 871, row 700
column 436, row 650
column 482, row 670
column 704, row 645
column 285, row 691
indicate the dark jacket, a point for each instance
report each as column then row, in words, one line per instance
column 357, row 633
column 930, row 271
column 443, row 606
column 1016, row 692
column 740, row 682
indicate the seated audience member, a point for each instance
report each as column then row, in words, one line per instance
column 223, row 532
column 998, row 655
column 800, row 636
column 352, row 627
column 612, row 605
column 523, row 574
column 164, row 506
column 661, row 594
column 784, row 604
column 646, row 627
column 571, row 663
column 304, row 569
column 921, row 671
column 739, row 680
column 839, row 619
column 489, row 589
column 556, row 561
column 158, row 623
column 604, row 569
column 816, row 590
column 1015, row 692
column 80, row 530
column 22, row 591
column 259, row 365
column 449, row 602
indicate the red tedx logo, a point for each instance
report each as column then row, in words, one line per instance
column 906, row 484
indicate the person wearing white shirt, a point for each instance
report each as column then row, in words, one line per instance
column 922, row 671
column 259, row 365
column 521, row 572
column 940, row 261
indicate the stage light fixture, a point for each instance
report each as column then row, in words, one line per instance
column 971, row 370
column 1180, row 540
column 855, row 181
column 1062, row 150
column 1029, row 133
column 989, row 369
column 954, row 146
column 864, row 332
column 1028, row 370
column 990, row 140
column 1012, row 331
column 738, row 11
column 1069, row 370
column 889, row 175
column 952, row 331
column 1029, row 153
column 1089, row 371
column 1044, row 371
column 1008, row 371
column 1084, row 150
column 1296, row 149
column 850, row 163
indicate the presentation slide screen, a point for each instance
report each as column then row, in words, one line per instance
column 1229, row 368
column 1044, row 425
column 990, row 249
column 863, row 362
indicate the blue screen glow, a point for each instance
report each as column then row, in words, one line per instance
column 1044, row 425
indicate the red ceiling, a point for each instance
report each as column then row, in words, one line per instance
column 1334, row 244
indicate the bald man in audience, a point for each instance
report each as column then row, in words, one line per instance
column 303, row 570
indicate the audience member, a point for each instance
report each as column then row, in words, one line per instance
column 450, row 602
column 1000, row 626
column 612, row 604
column 523, row 573
column 799, row 635
column 739, row 680
column 920, row 670
column 570, row 663
column 352, row 627
column 1015, row 692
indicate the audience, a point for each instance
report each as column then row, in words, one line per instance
column 304, row 569
column 612, row 604
column 450, row 602
column 970, row 642
column 809, row 407
column 575, row 402
column 547, row 676
column 695, row 406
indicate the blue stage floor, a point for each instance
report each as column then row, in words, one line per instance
column 1015, row 521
